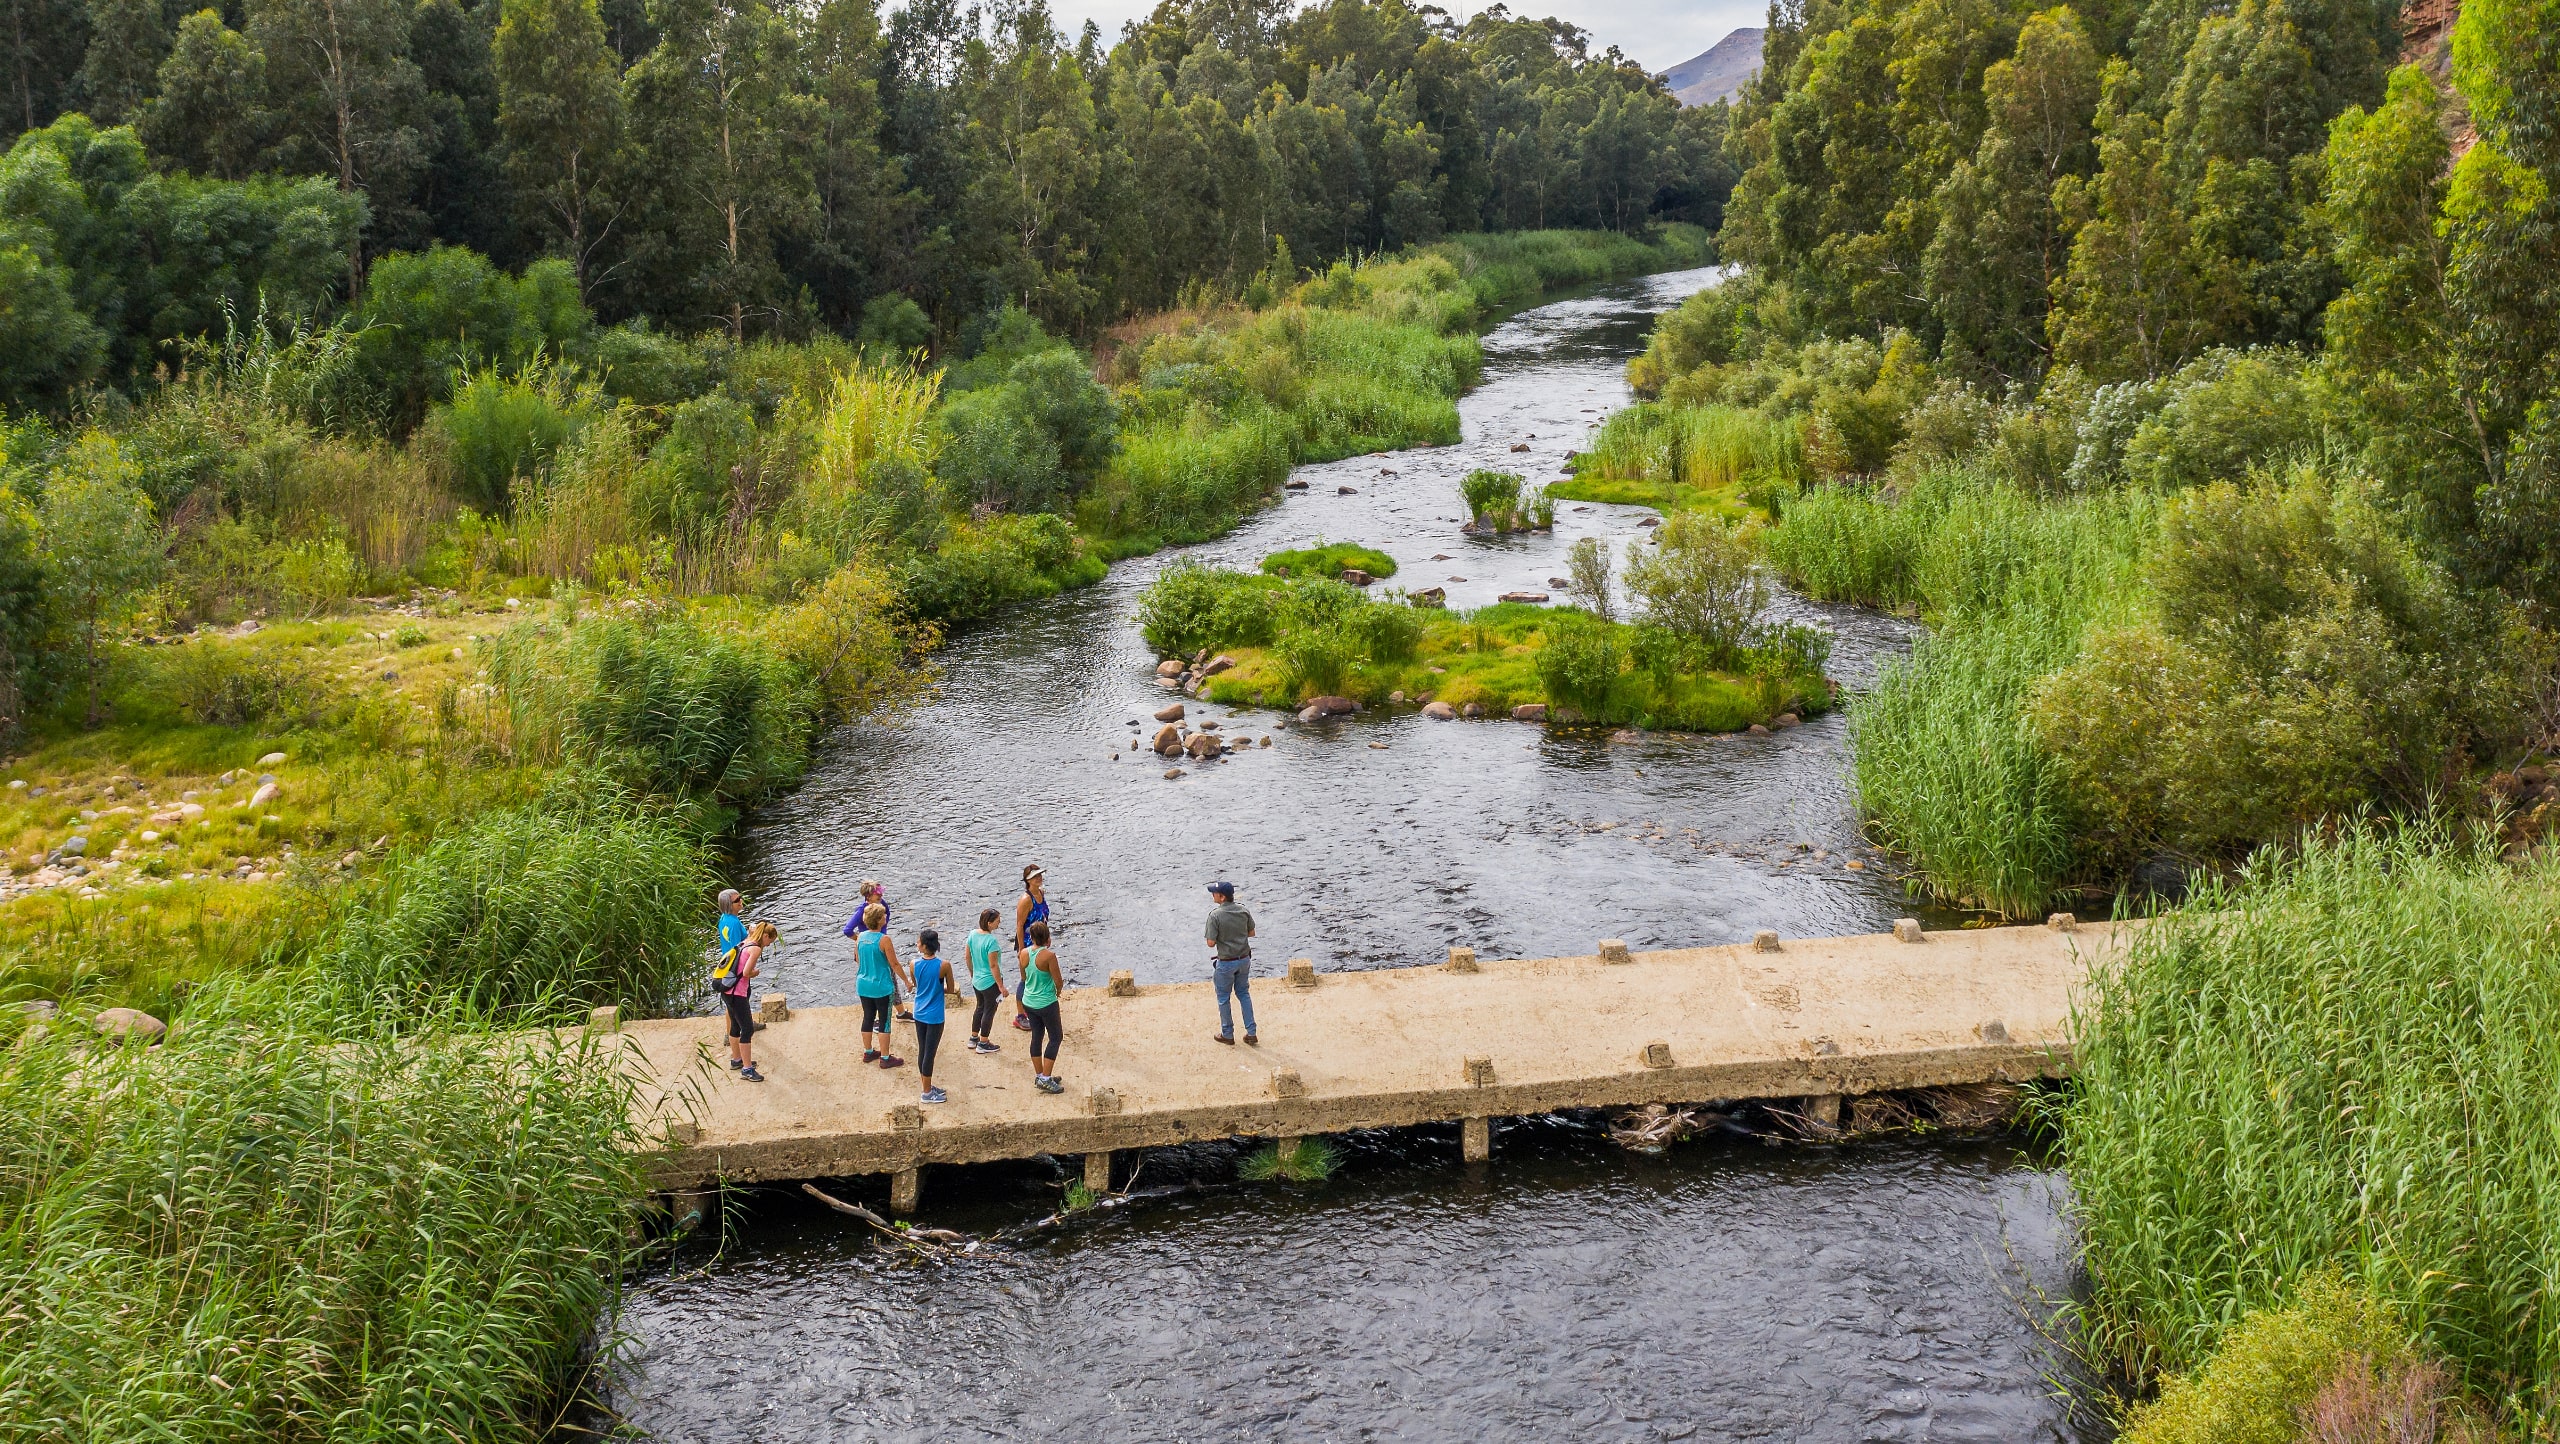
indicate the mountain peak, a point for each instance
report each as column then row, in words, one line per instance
column 1718, row 71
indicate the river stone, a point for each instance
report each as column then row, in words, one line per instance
column 1294, row 484
column 1472, row 709
column 1310, row 714
column 1169, row 714
column 1560, row 583
column 1440, row 712
column 1217, row 664
column 1353, row 576
column 1169, row 669
column 1524, row 596
column 265, row 794
column 1650, row 521
column 1786, row 720
column 1168, row 740
column 1202, row 746
column 75, row 847
column 1429, row 597
column 131, row 1023
column 1332, row 706
column 1171, row 773
column 1396, row 696
column 1519, row 446
column 1346, row 491
column 1170, row 684
column 1529, row 712
column 1759, row 731
column 272, row 759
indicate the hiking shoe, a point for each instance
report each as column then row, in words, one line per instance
column 891, row 1060
column 750, row 1074
column 1022, row 1022
column 905, row 1017
column 981, row 1045
column 934, row 1095
column 870, row 1055
column 1049, row 1083
column 735, row 1065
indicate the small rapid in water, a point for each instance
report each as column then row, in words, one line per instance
column 1726, row 1290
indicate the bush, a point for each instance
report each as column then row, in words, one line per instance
column 502, row 431
column 697, row 467
column 1316, row 659
column 530, row 916
column 429, row 318
column 1492, row 497
column 984, row 566
column 1580, row 662
column 1386, row 632
column 1702, row 581
column 2223, row 413
column 2269, row 1369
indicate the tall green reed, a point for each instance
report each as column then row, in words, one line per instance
column 2343, row 1058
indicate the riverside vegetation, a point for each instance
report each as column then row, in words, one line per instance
column 443, row 489
column 2188, row 372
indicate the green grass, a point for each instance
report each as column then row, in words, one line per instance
column 1328, row 560
column 2346, row 1059
column 1727, row 503
column 1721, row 459
column 1295, row 1160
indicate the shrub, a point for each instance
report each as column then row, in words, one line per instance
column 1588, row 560
column 428, row 318
column 707, row 454
column 1580, row 662
column 1177, row 612
column 2269, row 1370
column 502, row 431
column 2223, row 413
column 1385, row 632
column 1316, row 660
column 530, row 916
column 1702, row 580
column 1491, row 497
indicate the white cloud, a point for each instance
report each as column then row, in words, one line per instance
column 1658, row 33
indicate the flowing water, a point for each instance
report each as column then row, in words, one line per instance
column 1725, row 1291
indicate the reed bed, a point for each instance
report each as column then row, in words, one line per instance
column 1948, row 769
column 2343, row 1058
column 1697, row 446
column 259, row 1232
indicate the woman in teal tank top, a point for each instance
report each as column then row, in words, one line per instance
column 877, row 974
column 1041, row 981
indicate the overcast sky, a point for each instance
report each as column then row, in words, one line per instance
column 1660, row 33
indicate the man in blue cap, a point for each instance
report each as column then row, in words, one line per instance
column 1230, row 938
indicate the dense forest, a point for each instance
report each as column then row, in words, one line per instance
column 777, row 170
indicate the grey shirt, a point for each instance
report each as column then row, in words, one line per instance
column 1231, row 931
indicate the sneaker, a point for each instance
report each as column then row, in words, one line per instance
column 1050, row 1083
column 1022, row 1022
column 750, row 1074
column 735, row 1065
column 870, row 1055
column 934, row 1095
column 891, row 1060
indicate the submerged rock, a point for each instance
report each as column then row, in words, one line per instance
column 1169, row 714
column 1331, row 706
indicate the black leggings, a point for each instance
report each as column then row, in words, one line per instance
column 985, row 1017
column 928, row 1043
column 875, row 1014
column 742, row 1024
column 1044, row 1024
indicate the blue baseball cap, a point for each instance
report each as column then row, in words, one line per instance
column 1222, row 889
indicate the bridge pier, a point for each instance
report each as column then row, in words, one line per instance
column 1475, row 1139
column 1097, row 1172
column 906, row 1188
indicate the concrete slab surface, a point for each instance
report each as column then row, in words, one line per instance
column 1380, row 1048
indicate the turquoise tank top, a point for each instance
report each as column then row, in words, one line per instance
column 1039, row 990
column 872, row 978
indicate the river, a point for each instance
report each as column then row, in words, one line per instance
column 1727, row 1290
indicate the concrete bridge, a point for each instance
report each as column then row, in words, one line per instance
column 1464, row 1041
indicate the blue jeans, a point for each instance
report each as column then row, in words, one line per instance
column 1235, row 978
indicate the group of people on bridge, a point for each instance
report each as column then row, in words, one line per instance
column 883, row 976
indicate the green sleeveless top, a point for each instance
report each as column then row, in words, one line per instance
column 1039, row 990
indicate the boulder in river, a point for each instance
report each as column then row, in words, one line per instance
column 1294, row 484
column 1524, row 596
column 1169, row 714
column 1429, row 597
column 1440, row 712
column 1170, row 684
column 1650, row 521
column 1786, row 720
column 1168, row 740
column 1529, row 712
column 1346, row 491
column 1332, row 706
column 1353, row 576
column 1473, row 709
column 1169, row 667
column 1202, row 746
column 1759, row 731
column 1519, row 446
column 1560, row 583
column 1309, row 714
